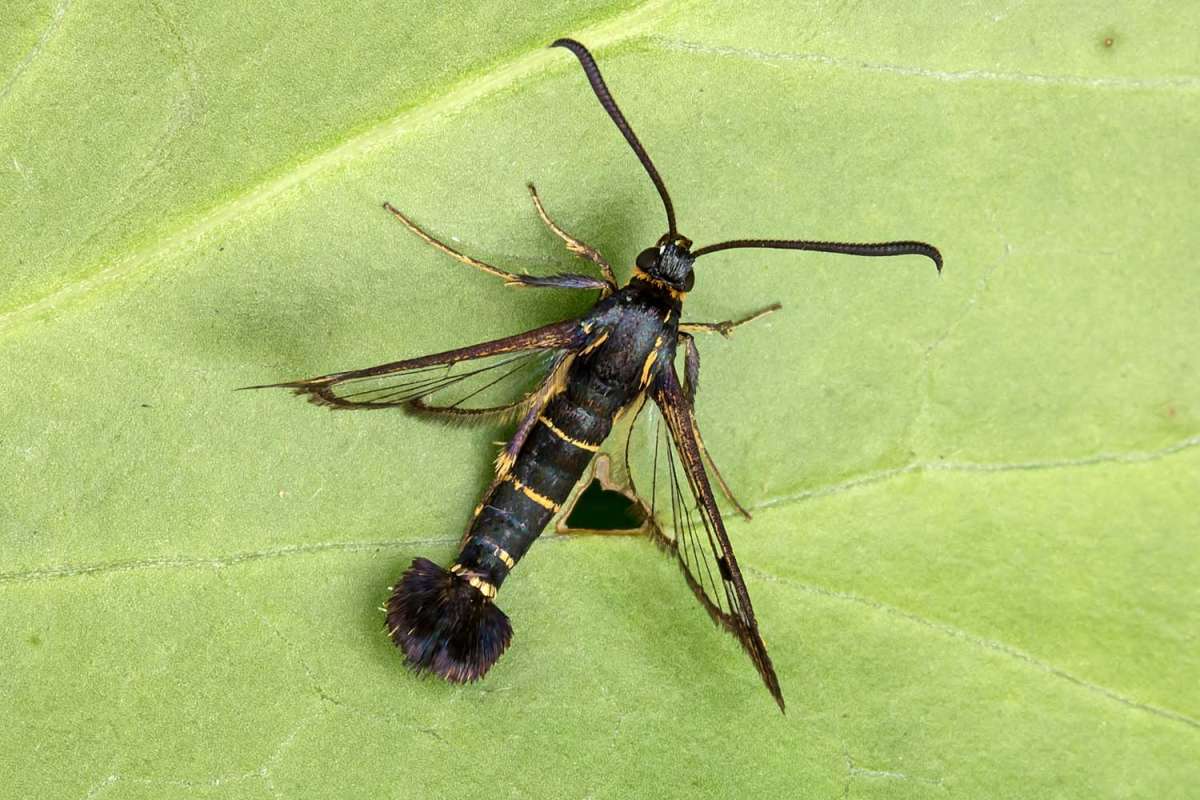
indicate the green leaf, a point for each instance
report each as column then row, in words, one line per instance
column 974, row 555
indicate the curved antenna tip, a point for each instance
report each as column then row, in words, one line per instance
column 600, row 89
column 905, row 248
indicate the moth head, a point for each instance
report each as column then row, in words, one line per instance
column 670, row 260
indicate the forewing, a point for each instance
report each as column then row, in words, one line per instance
column 488, row 380
column 672, row 483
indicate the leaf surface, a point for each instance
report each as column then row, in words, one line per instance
column 975, row 552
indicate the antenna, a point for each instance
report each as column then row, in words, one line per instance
column 605, row 97
column 846, row 248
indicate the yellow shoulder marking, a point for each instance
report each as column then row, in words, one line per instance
column 594, row 343
column 675, row 294
column 650, row 357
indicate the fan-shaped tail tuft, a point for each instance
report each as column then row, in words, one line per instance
column 444, row 625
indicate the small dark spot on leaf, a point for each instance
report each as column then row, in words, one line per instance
column 1108, row 41
column 34, row 640
column 146, row 405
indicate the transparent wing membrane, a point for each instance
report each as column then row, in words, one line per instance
column 492, row 384
column 680, row 524
column 482, row 381
column 670, row 478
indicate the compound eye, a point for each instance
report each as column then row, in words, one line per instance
column 647, row 259
column 689, row 281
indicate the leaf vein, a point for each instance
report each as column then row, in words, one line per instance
column 868, row 478
column 38, row 48
column 1181, row 83
column 206, row 562
column 978, row 641
column 459, row 96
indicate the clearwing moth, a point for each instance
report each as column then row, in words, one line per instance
column 564, row 384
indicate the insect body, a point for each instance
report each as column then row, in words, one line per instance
column 619, row 356
column 614, row 353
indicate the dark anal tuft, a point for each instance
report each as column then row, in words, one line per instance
column 444, row 625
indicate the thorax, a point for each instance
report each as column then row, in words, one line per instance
column 631, row 335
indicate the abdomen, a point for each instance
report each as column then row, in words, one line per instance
column 518, row 508
column 445, row 620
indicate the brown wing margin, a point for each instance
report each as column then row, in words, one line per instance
column 412, row 382
column 733, row 610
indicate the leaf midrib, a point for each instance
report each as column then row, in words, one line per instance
column 218, row 561
column 457, row 96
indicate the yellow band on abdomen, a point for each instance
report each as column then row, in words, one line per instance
column 534, row 495
column 571, row 440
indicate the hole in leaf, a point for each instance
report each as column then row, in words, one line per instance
column 600, row 509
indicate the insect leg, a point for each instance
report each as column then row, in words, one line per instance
column 725, row 328
column 510, row 278
column 574, row 245
column 536, row 404
column 691, row 371
column 691, row 366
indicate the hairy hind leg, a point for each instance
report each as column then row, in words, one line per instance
column 691, row 384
